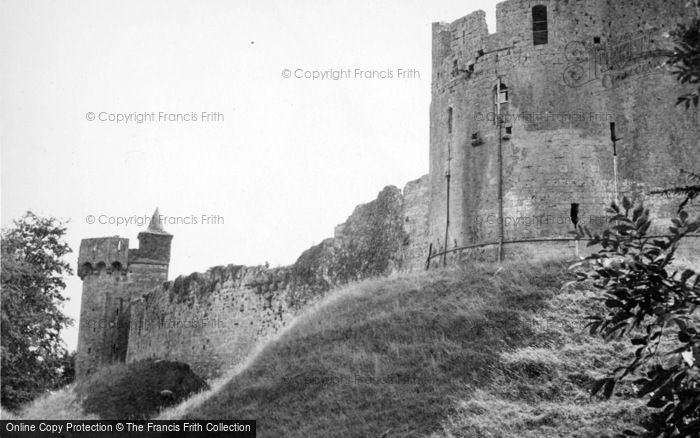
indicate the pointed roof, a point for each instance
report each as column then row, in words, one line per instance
column 155, row 226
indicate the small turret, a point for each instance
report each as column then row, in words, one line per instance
column 154, row 243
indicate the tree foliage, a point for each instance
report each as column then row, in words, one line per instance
column 688, row 192
column 33, row 356
column 685, row 59
column 653, row 305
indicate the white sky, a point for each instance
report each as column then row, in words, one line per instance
column 291, row 158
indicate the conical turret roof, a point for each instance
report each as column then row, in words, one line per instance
column 155, row 226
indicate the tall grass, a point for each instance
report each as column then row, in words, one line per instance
column 389, row 356
column 62, row 404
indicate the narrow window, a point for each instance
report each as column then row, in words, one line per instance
column 574, row 214
column 509, row 130
column 502, row 95
column 539, row 25
column 449, row 120
column 89, row 350
column 596, row 40
column 500, row 101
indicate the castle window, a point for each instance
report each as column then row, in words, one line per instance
column 500, row 99
column 539, row 25
column 449, row 120
column 509, row 130
column 596, row 40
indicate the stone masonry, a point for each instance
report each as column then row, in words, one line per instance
column 564, row 109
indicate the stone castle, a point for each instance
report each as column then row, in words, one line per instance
column 533, row 129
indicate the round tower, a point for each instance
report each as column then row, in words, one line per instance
column 544, row 123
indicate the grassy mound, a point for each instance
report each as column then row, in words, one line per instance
column 137, row 390
column 448, row 353
column 61, row 404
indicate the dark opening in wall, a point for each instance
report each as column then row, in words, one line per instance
column 476, row 139
column 89, row 350
column 613, row 137
column 574, row 213
column 539, row 25
column 449, row 120
column 471, row 68
column 596, row 40
column 509, row 130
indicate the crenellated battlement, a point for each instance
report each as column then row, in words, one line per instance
column 103, row 254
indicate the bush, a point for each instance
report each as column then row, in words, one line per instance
column 139, row 389
column 653, row 306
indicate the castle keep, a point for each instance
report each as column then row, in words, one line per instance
column 533, row 129
column 564, row 109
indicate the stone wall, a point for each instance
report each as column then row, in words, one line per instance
column 213, row 320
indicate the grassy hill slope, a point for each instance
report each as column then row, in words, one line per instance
column 481, row 352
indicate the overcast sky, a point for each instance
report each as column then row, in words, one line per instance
column 279, row 163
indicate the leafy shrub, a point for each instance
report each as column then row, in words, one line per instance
column 139, row 389
column 654, row 307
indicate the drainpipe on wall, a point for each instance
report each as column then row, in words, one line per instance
column 499, row 121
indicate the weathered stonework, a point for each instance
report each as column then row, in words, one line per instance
column 213, row 320
column 112, row 275
column 596, row 63
column 600, row 64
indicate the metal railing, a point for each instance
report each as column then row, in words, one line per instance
column 533, row 240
